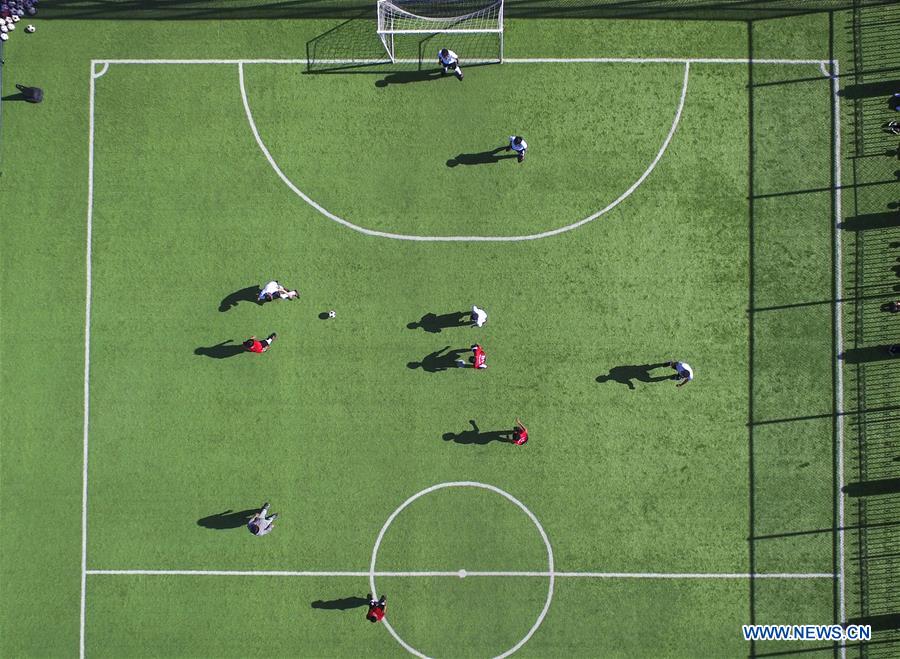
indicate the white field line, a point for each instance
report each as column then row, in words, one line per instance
column 396, row 236
column 839, row 338
column 524, row 60
column 460, row 574
column 87, row 362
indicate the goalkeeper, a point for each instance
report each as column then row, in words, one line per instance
column 449, row 61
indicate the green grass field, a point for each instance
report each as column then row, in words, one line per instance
column 708, row 260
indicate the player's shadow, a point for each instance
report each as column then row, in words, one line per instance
column 405, row 77
column 625, row 374
column 480, row 158
column 434, row 323
column 220, row 350
column 439, row 360
column 477, row 436
column 228, row 519
column 342, row 604
column 249, row 294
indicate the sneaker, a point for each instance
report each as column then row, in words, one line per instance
column 460, row 76
column 265, row 505
column 273, row 336
column 273, row 517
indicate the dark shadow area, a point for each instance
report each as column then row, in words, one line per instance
column 871, row 221
column 405, row 77
column 480, row 158
column 342, row 604
column 641, row 373
column 249, row 294
column 868, row 354
column 14, row 97
column 323, row 315
column 712, row 10
column 867, row 90
column 477, row 436
column 221, row 350
column 872, row 488
column 229, row 519
column 434, row 323
column 879, row 623
column 439, row 360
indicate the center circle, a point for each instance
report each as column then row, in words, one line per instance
column 462, row 573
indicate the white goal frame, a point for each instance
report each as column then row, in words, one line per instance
column 389, row 11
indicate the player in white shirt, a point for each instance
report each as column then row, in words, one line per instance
column 519, row 145
column 479, row 316
column 449, row 61
column 683, row 372
column 261, row 523
column 275, row 291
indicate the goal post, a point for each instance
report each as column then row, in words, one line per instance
column 431, row 17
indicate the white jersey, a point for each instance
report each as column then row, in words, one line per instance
column 269, row 289
column 479, row 317
column 684, row 370
column 521, row 146
column 451, row 59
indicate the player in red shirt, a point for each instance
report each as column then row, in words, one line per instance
column 520, row 433
column 376, row 609
column 255, row 345
column 479, row 357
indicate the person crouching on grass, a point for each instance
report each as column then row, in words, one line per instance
column 376, row 609
column 261, row 523
column 255, row 345
column 518, row 145
column 520, row 433
column 449, row 61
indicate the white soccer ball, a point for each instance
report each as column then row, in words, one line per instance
column 3, row 28
column 11, row 26
column 331, row 314
column 3, row 36
column 30, row 28
column 16, row 18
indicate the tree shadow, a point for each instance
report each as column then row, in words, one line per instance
column 221, row 350
column 439, row 360
column 476, row 436
column 406, row 77
column 625, row 374
column 434, row 323
column 228, row 519
column 480, row 158
column 342, row 604
column 249, row 294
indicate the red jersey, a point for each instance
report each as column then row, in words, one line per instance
column 376, row 613
column 257, row 346
column 521, row 435
column 479, row 357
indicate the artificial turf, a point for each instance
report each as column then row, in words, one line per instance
column 333, row 426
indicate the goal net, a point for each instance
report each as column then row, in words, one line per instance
column 457, row 17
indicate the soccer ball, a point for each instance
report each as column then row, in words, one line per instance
column 331, row 314
column 3, row 36
column 29, row 28
column 15, row 18
column 3, row 28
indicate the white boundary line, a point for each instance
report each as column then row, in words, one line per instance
column 460, row 574
column 839, row 338
column 397, row 236
column 526, row 60
column 87, row 364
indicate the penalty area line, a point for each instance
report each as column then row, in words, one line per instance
column 460, row 574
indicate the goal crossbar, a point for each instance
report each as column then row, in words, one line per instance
column 395, row 17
